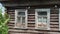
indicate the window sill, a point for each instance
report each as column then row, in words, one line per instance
column 19, row 28
column 36, row 29
column 28, row 28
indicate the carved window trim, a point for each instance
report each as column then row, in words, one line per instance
column 21, row 10
column 48, row 17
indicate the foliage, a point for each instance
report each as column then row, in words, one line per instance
column 3, row 21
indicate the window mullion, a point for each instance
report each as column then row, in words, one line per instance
column 42, row 19
column 21, row 21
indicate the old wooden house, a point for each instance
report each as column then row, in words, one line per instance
column 33, row 16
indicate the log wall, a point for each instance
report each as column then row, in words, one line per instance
column 54, row 23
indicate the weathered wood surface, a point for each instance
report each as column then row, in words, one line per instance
column 18, row 3
column 54, row 24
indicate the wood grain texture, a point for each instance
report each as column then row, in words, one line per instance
column 54, row 24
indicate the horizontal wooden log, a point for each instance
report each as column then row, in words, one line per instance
column 53, row 33
column 54, row 26
column 10, row 24
column 31, row 19
column 54, row 15
column 12, row 19
column 54, row 29
column 11, row 12
column 54, row 23
column 31, row 14
column 54, row 19
column 31, row 25
column 31, row 22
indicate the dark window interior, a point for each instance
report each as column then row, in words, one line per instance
column 42, row 13
column 21, row 13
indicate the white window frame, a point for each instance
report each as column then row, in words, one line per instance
column 48, row 17
column 20, row 10
column 59, row 19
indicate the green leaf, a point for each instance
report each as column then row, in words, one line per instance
column 3, row 21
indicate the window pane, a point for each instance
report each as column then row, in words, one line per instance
column 44, row 19
column 42, row 13
column 23, row 19
column 21, row 13
column 23, row 22
column 39, row 19
column 18, row 19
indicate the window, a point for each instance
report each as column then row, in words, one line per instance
column 21, row 18
column 42, row 18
